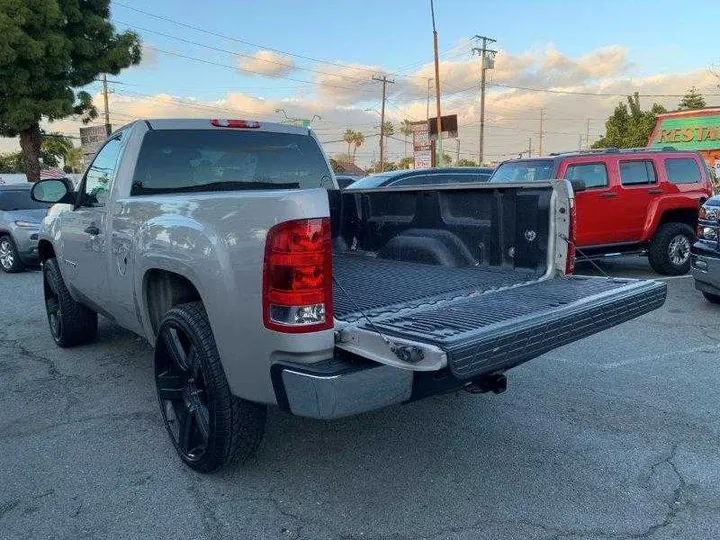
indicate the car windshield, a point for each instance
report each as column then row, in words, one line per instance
column 524, row 171
column 11, row 200
column 204, row 160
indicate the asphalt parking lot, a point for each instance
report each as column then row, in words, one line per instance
column 616, row 436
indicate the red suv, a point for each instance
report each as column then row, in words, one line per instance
column 628, row 201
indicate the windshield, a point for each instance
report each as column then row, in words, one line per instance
column 172, row 161
column 11, row 200
column 524, row 171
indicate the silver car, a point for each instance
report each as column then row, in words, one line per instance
column 20, row 219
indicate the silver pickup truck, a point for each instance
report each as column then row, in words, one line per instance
column 227, row 246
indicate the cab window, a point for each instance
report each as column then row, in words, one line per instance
column 100, row 175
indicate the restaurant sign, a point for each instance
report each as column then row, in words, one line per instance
column 688, row 133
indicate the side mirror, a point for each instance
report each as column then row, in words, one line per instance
column 52, row 190
column 578, row 185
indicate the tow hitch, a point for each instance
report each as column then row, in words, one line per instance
column 495, row 383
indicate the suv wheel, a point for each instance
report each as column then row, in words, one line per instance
column 669, row 251
column 208, row 426
column 9, row 259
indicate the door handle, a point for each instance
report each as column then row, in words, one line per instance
column 608, row 195
column 656, row 191
column 92, row 229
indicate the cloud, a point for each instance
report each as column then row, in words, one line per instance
column 149, row 58
column 267, row 63
column 348, row 84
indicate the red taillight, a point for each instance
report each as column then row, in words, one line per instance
column 247, row 124
column 297, row 279
column 570, row 262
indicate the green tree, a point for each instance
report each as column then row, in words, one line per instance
column 55, row 148
column 406, row 162
column 48, row 49
column 11, row 163
column 389, row 129
column 446, row 160
column 692, row 100
column 358, row 141
column 349, row 138
column 73, row 160
column 406, row 131
column 629, row 126
column 464, row 162
column 375, row 167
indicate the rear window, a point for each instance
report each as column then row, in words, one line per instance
column 524, row 171
column 682, row 171
column 19, row 200
column 376, row 180
column 176, row 161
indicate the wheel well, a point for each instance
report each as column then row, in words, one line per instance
column 45, row 250
column 165, row 290
column 685, row 215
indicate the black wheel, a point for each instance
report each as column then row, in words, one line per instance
column 712, row 298
column 9, row 258
column 71, row 323
column 208, row 426
column 669, row 251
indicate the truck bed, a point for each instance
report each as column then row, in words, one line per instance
column 485, row 319
column 380, row 286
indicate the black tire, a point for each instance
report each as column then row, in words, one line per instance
column 208, row 426
column 712, row 298
column 10, row 261
column 71, row 323
column 669, row 251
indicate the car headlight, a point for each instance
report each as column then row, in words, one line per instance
column 708, row 233
column 710, row 213
column 27, row 224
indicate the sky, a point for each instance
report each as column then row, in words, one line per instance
column 246, row 59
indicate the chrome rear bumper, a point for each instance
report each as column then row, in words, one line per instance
column 336, row 388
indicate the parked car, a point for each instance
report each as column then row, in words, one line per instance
column 419, row 177
column 20, row 219
column 629, row 201
column 706, row 251
column 345, row 180
column 216, row 242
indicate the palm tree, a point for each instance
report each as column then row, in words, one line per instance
column 349, row 138
column 358, row 140
column 406, row 131
column 389, row 129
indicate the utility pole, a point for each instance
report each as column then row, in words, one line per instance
column 428, row 99
column 384, row 80
column 108, row 127
column 438, row 159
column 529, row 147
column 580, row 144
column 540, row 148
column 587, row 135
column 487, row 61
column 458, row 151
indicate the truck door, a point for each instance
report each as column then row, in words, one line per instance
column 85, row 243
column 639, row 185
column 594, row 205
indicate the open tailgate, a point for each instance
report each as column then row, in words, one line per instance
column 496, row 330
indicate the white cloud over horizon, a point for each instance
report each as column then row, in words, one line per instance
column 267, row 63
column 340, row 95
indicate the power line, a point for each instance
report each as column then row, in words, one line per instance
column 249, row 56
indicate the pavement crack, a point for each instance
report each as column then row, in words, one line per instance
column 677, row 502
column 7, row 507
